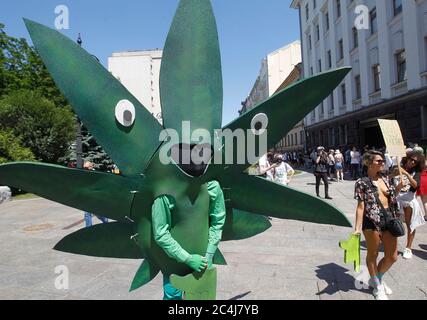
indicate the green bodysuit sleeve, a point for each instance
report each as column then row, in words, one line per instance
column 161, row 220
column 216, row 215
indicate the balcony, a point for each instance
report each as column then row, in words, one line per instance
column 375, row 97
column 399, row 88
column 357, row 104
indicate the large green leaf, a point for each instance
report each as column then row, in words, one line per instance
column 103, row 194
column 283, row 110
column 241, row 225
column 267, row 198
column 190, row 77
column 146, row 272
column 106, row 240
column 94, row 94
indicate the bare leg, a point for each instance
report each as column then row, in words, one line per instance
column 408, row 218
column 372, row 243
column 390, row 252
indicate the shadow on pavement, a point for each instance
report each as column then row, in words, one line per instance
column 423, row 246
column 420, row 254
column 337, row 279
column 240, row 296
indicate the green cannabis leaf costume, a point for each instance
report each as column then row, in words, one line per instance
column 191, row 90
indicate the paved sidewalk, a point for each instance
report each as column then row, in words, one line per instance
column 292, row 260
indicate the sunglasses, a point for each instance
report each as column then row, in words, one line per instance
column 380, row 161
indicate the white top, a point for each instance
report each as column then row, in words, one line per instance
column 281, row 173
column 355, row 157
column 263, row 165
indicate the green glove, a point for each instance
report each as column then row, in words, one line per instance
column 197, row 263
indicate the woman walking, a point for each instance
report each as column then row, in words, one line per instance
column 339, row 165
column 408, row 204
column 321, row 171
column 377, row 203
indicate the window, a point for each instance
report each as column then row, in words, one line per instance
column 320, row 65
column 401, row 66
column 331, row 104
column 340, row 49
column 397, row 7
column 376, row 71
column 317, row 33
column 329, row 59
column 307, row 12
column 373, row 20
column 314, row 4
column 357, row 87
column 301, row 137
column 355, row 38
column 313, row 115
column 343, row 95
column 311, row 71
column 296, row 139
column 289, row 140
column 338, row 8
column 292, row 139
column 327, row 21
column 322, row 108
column 309, row 42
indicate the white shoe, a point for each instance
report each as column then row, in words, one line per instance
column 379, row 293
column 407, row 254
column 387, row 289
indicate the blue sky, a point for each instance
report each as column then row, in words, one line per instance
column 248, row 31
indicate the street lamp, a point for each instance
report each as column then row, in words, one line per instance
column 79, row 147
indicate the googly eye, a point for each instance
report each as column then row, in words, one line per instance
column 259, row 124
column 125, row 113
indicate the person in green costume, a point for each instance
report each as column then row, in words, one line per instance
column 162, row 211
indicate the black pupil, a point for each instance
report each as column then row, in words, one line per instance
column 127, row 115
column 258, row 126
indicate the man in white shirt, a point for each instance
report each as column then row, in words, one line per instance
column 282, row 171
column 265, row 167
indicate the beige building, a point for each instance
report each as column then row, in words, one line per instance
column 139, row 72
column 295, row 139
column 275, row 68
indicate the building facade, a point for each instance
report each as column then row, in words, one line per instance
column 294, row 140
column 275, row 68
column 385, row 43
column 139, row 72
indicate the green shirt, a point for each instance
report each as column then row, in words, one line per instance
column 161, row 220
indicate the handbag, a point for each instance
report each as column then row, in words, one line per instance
column 392, row 224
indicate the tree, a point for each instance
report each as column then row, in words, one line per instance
column 22, row 68
column 11, row 149
column 43, row 128
column 92, row 152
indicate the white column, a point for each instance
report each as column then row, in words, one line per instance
column 412, row 43
column 333, row 44
column 347, row 45
column 363, row 66
column 384, row 50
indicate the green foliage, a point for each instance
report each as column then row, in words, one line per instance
column 11, row 149
column 92, row 152
column 43, row 128
column 22, row 68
